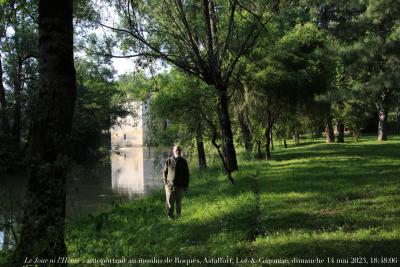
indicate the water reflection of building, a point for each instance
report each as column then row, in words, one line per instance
column 12, row 191
column 132, row 162
column 1, row 238
column 1, row 235
column 6, row 237
column 133, row 170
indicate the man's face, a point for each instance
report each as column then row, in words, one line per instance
column 177, row 151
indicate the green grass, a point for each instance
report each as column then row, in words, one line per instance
column 315, row 200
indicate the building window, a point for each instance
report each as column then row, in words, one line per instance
column 124, row 136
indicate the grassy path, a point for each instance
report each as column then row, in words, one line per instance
column 338, row 201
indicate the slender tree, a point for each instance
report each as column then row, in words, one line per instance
column 242, row 116
column 3, row 105
column 4, row 15
column 329, row 133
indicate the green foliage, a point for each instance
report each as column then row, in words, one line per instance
column 308, row 59
column 19, row 51
column 137, row 85
column 284, row 75
column 364, row 35
column 22, row 49
column 99, row 103
column 355, row 105
column 373, row 58
column 185, row 102
column 337, row 17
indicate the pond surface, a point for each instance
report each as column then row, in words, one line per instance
column 132, row 173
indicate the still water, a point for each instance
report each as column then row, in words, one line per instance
column 132, row 173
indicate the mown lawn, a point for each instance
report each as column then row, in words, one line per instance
column 337, row 201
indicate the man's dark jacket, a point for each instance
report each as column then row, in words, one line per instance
column 176, row 172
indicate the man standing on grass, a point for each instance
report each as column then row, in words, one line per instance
column 176, row 180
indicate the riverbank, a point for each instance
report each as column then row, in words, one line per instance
column 312, row 203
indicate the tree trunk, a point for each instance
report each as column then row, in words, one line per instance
column 382, row 118
column 3, row 111
column 259, row 152
column 296, row 137
column 245, row 130
column 356, row 133
column 226, row 131
column 43, row 223
column 382, row 129
column 330, row 135
column 323, row 17
column 340, row 129
column 17, row 104
column 284, row 143
column 200, row 150
column 340, row 124
column 272, row 141
column 267, row 144
column 6, row 239
column 268, row 135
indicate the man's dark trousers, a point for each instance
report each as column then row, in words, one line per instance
column 173, row 197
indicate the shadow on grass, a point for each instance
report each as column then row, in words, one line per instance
column 342, row 251
column 387, row 150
